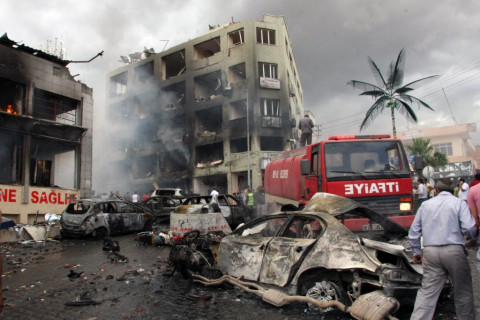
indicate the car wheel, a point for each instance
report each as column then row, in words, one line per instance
column 325, row 291
column 100, row 233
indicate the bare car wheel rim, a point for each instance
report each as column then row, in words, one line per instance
column 323, row 291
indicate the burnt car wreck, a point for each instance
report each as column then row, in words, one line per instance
column 310, row 256
column 100, row 218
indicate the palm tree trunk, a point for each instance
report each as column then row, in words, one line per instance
column 392, row 109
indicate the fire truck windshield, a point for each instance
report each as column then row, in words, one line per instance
column 365, row 160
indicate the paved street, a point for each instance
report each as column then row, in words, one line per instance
column 36, row 285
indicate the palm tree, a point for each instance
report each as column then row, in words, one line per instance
column 423, row 148
column 390, row 93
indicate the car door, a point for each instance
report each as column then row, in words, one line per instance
column 287, row 250
column 241, row 254
column 129, row 217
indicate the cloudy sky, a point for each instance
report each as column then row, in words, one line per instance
column 331, row 39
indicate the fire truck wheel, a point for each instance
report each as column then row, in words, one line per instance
column 327, row 291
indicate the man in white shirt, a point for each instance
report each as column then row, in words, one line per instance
column 463, row 189
column 422, row 191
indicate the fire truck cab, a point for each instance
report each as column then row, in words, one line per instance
column 371, row 169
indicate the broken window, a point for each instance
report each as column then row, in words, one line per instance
column 268, row 70
column 118, row 84
column 271, row 143
column 53, row 163
column 143, row 167
column 145, row 105
column 11, row 158
column 11, row 96
column 208, row 87
column 56, row 108
column 238, row 109
column 210, row 153
column 265, row 36
column 239, row 145
column 270, row 107
column 237, row 73
column 118, row 112
column 209, row 120
column 173, row 65
column 270, row 111
column 173, row 97
column 144, row 72
column 236, row 38
column 207, row 49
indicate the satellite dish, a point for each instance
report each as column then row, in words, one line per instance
column 428, row 172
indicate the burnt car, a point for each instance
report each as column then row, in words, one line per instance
column 100, row 218
column 160, row 207
column 312, row 253
column 233, row 212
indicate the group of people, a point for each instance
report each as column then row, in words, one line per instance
column 255, row 201
column 446, row 223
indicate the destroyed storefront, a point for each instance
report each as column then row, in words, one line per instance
column 45, row 158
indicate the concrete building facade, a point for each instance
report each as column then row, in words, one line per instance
column 204, row 112
column 46, row 120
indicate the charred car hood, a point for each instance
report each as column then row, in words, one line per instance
column 336, row 205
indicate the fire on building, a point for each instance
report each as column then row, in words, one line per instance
column 45, row 114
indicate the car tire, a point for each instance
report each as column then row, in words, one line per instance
column 325, row 291
column 100, row 233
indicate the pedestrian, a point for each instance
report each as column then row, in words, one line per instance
column 475, row 181
column 259, row 200
column 239, row 198
column 463, row 189
column 473, row 200
column 306, row 126
column 135, row 197
column 245, row 195
column 214, row 193
column 250, row 202
column 422, row 191
column 442, row 222
column 145, row 196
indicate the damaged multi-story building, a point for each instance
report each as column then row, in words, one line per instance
column 204, row 112
column 46, row 120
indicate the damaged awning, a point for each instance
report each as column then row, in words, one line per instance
column 42, row 128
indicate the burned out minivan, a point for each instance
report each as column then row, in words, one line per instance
column 100, row 218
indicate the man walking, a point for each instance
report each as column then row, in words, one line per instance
column 422, row 191
column 474, row 206
column 463, row 189
column 443, row 221
column 306, row 126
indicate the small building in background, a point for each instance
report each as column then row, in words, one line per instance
column 46, row 117
column 453, row 141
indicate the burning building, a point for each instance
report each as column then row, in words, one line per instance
column 45, row 117
column 206, row 112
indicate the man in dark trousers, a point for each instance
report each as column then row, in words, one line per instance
column 306, row 126
column 442, row 221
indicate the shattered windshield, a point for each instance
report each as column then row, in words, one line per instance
column 365, row 160
column 78, row 207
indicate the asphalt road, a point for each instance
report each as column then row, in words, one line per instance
column 36, row 285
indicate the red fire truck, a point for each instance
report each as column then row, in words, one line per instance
column 370, row 169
